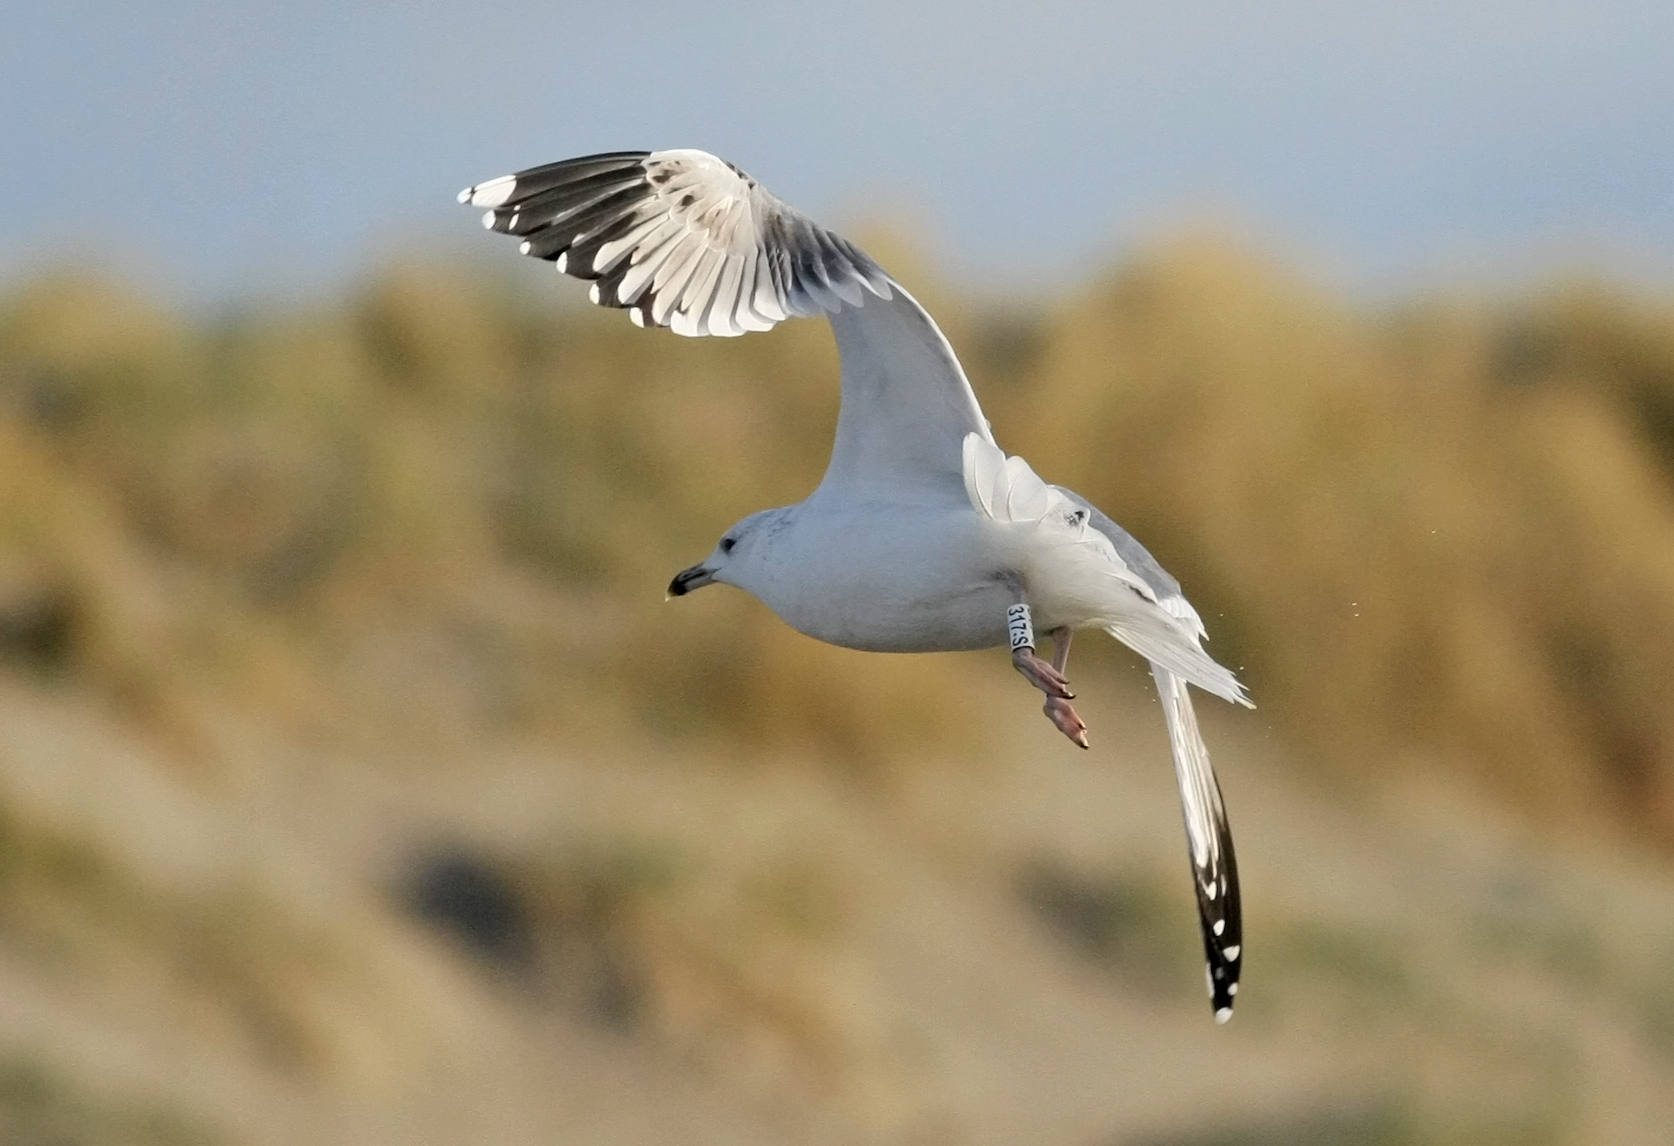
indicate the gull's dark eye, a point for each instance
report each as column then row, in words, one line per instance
column 726, row 544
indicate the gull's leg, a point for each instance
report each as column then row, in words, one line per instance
column 1040, row 674
column 1058, row 709
column 1049, row 678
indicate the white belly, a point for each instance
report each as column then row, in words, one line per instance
column 909, row 580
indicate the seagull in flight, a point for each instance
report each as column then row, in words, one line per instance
column 923, row 536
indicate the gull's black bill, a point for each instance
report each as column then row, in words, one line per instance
column 688, row 579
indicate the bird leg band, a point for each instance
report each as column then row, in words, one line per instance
column 1020, row 628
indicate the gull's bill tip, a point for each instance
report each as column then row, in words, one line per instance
column 686, row 580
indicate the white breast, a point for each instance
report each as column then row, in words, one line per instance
column 890, row 579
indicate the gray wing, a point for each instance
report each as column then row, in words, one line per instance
column 1208, row 833
column 907, row 407
column 685, row 240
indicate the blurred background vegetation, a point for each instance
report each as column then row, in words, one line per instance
column 357, row 784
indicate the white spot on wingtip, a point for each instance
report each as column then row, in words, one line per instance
column 1232, row 952
column 465, row 195
column 488, row 220
column 493, row 193
column 1220, row 926
column 563, row 262
column 1211, row 891
column 593, row 294
column 1232, row 988
column 1223, row 1014
column 525, row 247
column 637, row 317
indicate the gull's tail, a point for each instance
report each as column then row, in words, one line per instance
column 1209, row 840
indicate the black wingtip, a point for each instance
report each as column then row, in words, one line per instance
column 1223, row 957
column 1222, row 972
column 1220, row 915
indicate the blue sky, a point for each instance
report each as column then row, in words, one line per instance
column 241, row 149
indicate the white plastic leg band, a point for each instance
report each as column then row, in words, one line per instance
column 1021, row 630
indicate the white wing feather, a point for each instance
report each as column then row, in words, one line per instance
column 686, row 240
column 1209, row 840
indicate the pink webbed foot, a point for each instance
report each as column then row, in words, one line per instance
column 1063, row 717
column 1049, row 678
column 1040, row 674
